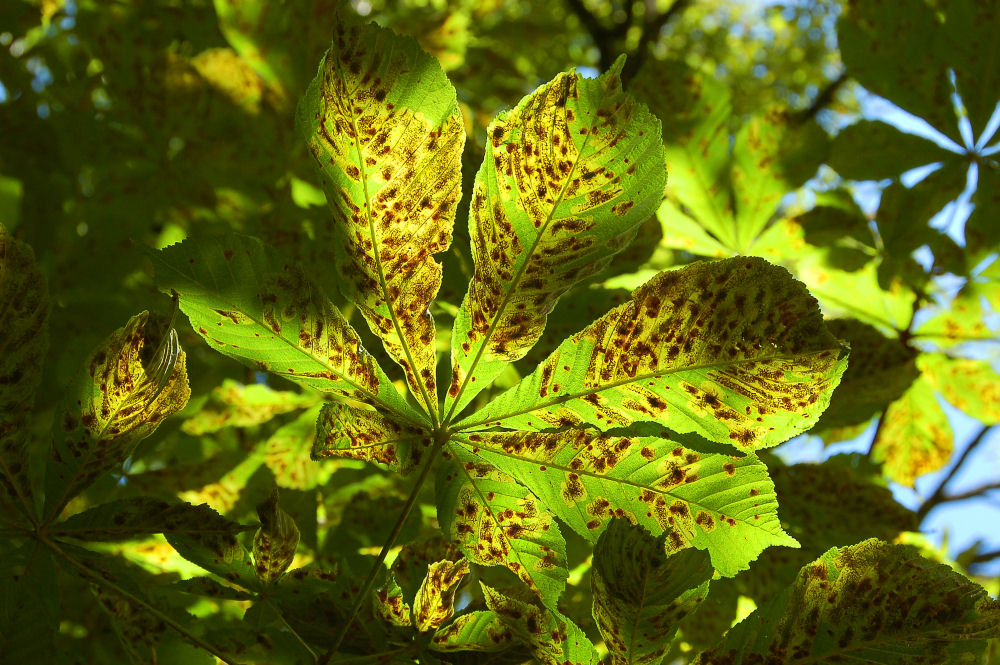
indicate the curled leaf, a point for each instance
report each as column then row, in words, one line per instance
column 275, row 541
column 435, row 601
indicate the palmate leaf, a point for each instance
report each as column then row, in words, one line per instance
column 383, row 123
column 117, row 405
column 640, row 594
column 697, row 494
column 568, row 176
column 250, row 303
column 24, row 311
column 734, row 350
column 498, row 522
column 874, row 603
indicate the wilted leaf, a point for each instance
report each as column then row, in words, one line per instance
column 872, row 602
column 435, row 600
column 24, row 311
column 275, row 541
column 382, row 121
column 916, row 437
column 568, row 175
column 734, row 350
column 640, row 593
column 113, row 411
column 709, row 500
column 126, row 519
column 251, row 304
column 363, row 434
column 498, row 522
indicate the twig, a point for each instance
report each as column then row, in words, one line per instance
column 938, row 496
column 390, row 541
column 822, row 100
column 98, row 579
column 875, row 435
column 985, row 557
column 970, row 494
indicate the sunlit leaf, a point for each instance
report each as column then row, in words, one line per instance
column 879, row 371
column 363, row 434
column 475, row 631
column 916, row 437
column 287, row 454
column 553, row 638
column 734, row 350
column 872, row 602
column 872, row 150
column 495, row 521
column 219, row 553
column 24, row 310
column 970, row 385
column 391, row 606
column 125, row 519
column 713, row 501
column 435, row 600
column 568, row 174
column 112, row 410
column 251, row 304
column 682, row 232
column 382, row 121
column 275, row 541
column 640, row 593
column 244, row 406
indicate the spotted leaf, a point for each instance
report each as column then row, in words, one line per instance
column 363, row 434
column 383, row 123
column 640, row 593
column 390, row 605
column 497, row 522
column 552, row 638
column 236, row 405
column 114, row 409
column 275, row 541
column 126, row 519
column 694, row 493
column 970, row 385
column 24, row 311
column 869, row 603
column 435, row 601
column 734, row 350
column 916, row 437
column 476, row 631
column 250, row 303
column 568, row 176
column 221, row 554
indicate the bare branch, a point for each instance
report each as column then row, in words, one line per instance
column 938, row 496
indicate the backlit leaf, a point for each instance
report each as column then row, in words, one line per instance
column 870, row 603
column 734, row 350
column 126, row 519
column 24, row 311
column 112, row 411
column 475, row 631
column 872, row 150
column 640, row 593
column 553, row 638
column 567, row 177
column 244, row 406
column 275, row 541
column 970, row 385
column 916, row 437
column 391, row 606
column 972, row 53
column 250, row 303
column 222, row 554
column 356, row 433
column 498, row 522
column 383, row 123
column 287, row 454
column 435, row 600
column 709, row 500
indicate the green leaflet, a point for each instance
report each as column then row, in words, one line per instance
column 237, row 405
column 222, row 555
column 275, row 541
column 117, row 405
column 871, row 150
column 734, row 350
column 126, row 519
column 24, row 311
column 383, row 123
column 640, row 594
column 435, row 600
column 495, row 521
column 552, row 638
column 709, row 500
column 568, row 176
column 873, row 602
column 916, row 437
column 358, row 433
column 250, row 303
column 475, row 631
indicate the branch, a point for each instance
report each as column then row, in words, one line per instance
column 823, row 99
column 970, row 494
column 651, row 27
column 878, row 431
column 985, row 557
column 938, row 496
